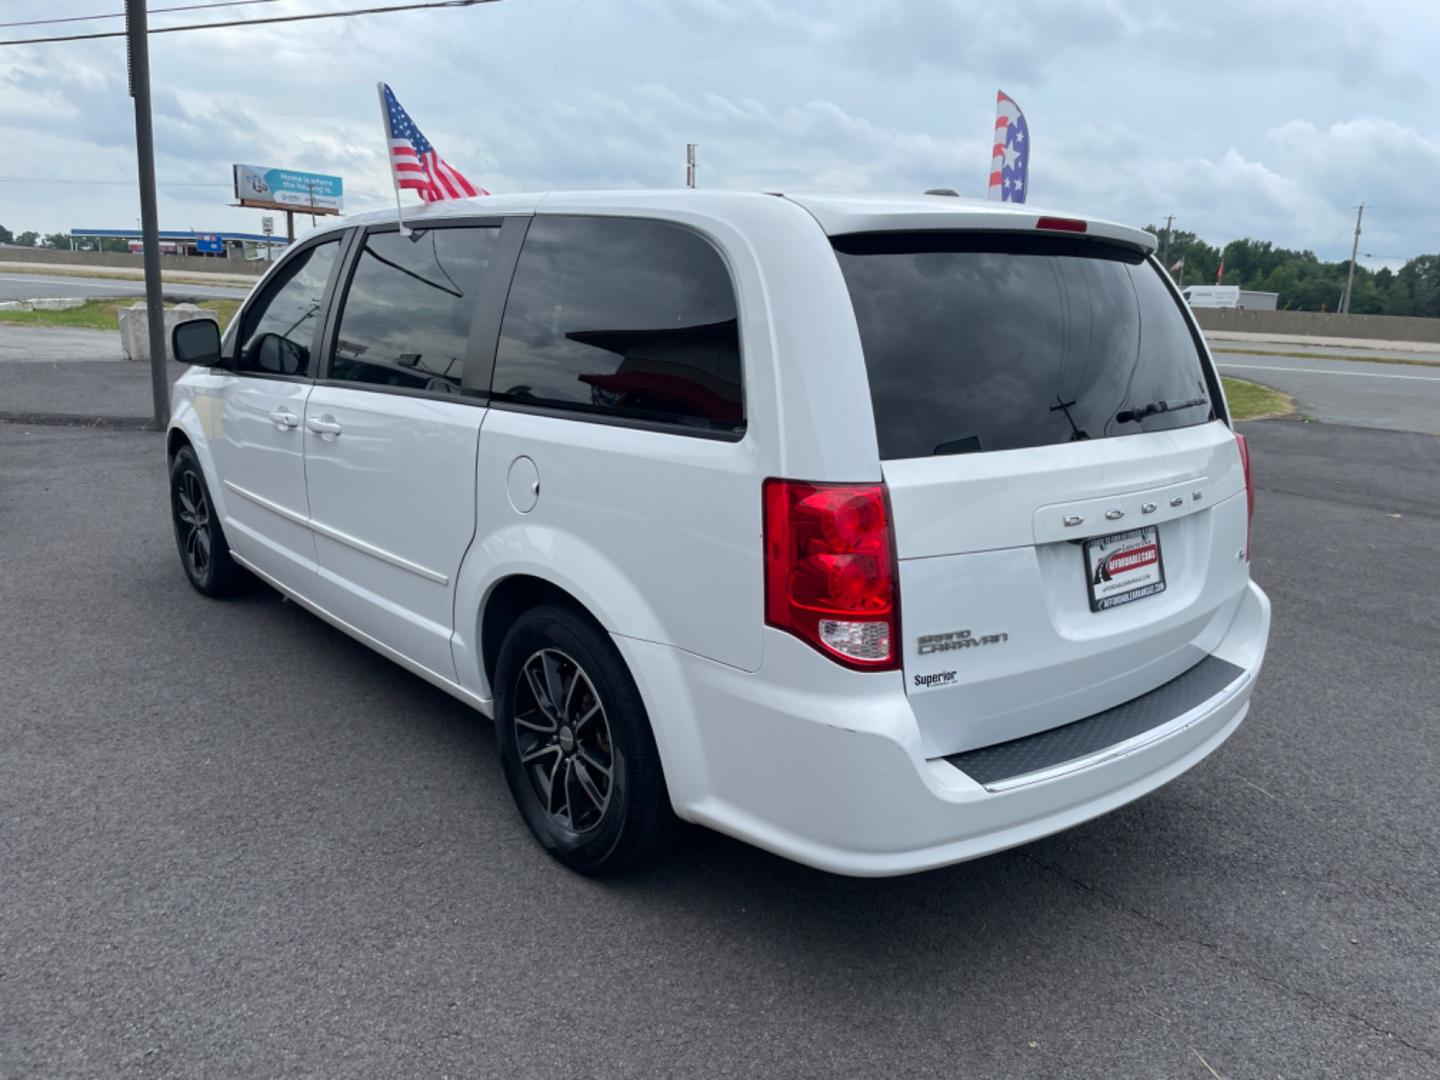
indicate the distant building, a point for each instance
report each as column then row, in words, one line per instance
column 219, row 244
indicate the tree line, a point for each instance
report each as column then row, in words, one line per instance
column 1304, row 282
column 31, row 238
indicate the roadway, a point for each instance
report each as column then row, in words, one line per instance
column 233, row 842
column 1400, row 397
column 45, row 286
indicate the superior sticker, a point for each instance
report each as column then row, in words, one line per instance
column 935, row 680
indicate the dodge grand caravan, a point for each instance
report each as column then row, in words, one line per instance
column 879, row 532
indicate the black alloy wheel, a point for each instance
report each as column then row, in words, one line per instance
column 564, row 740
column 193, row 530
column 204, row 551
column 576, row 744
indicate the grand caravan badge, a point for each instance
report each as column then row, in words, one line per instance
column 957, row 639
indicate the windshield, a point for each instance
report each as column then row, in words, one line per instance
column 977, row 342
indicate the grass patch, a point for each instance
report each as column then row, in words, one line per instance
column 103, row 314
column 1354, row 357
column 1251, row 401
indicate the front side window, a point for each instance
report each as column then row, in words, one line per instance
column 976, row 342
column 406, row 316
column 622, row 317
column 278, row 330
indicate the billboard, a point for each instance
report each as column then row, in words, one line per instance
column 287, row 189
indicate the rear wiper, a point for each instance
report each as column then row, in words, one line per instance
column 1125, row 416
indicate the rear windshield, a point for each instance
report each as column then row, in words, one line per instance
column 977, row 342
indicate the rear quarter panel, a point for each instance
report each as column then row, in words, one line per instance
column 660, row 534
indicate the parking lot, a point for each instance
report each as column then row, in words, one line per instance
column 235, row 843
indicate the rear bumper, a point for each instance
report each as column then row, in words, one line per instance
column 829, row 770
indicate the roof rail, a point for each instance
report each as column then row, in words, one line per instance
column 943, row 191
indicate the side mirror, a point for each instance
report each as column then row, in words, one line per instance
column 196, row 341
column 277, row 353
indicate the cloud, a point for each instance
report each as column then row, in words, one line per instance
column 1241, row 119
column 1390, row 167
column 1043, row 41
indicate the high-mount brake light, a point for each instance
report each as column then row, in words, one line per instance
column 830, row 570
column 1061, row 224
column 1249, row 492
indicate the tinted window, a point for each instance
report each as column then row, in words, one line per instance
column 622, row 317
column 995, row 343
column 279, row 328
column 406, row 317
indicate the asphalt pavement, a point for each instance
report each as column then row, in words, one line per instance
column 15, row 286
column 1399, row 397
column 62, row 344
column 235, row 843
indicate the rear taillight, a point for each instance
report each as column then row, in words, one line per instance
column 1249, row 493
column 830, row 570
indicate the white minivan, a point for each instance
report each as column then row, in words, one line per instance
column 879, row 532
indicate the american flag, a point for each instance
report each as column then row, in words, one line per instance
column 415, row 163
column 1010, row 160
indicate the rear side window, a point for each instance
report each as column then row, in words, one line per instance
column 406, row 317
column 625, row 318
column 977, row 342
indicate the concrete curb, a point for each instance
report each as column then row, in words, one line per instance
column 1323, row 341
column 59, row 303
column 97, row 423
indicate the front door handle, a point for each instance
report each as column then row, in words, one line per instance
column 285, row 419
column 324, row 426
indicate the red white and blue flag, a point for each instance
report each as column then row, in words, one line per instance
column 414, row 162
column 1010, row 160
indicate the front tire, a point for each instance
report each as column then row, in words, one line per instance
column 577, row 747
column 204, row 552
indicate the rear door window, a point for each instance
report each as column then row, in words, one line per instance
column 622, row 318
column 977, row 342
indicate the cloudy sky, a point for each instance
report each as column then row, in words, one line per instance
column 1241, row 118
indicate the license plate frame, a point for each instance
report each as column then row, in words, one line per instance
column 1133, row 571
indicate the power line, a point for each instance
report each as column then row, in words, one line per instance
column 258, row 22
column 121, row 14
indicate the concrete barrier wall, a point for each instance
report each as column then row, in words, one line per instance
column 125, row 259
column 1380, row 327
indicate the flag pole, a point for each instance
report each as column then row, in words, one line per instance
column 390, row 157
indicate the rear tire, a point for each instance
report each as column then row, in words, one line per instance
column 204, row 553
column 577, row 747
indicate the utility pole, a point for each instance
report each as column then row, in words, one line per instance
column 690, row 164
column 137, row 53
column 1350, row 277
column 1165, row 250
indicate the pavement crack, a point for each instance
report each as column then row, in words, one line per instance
column 1283, row 987
column 1120, row 905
